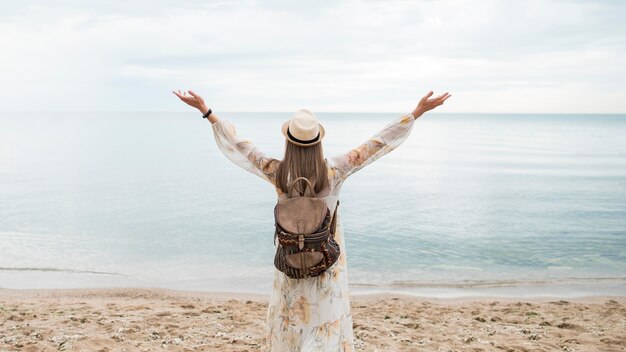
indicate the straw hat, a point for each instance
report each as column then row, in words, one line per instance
column 303, row 129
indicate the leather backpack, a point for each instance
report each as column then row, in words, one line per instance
column 305, row 230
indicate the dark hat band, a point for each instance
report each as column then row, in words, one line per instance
column 301, row 141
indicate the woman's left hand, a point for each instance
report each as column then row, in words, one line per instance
column 193, row 100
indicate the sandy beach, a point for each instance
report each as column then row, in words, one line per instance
column 138, row 319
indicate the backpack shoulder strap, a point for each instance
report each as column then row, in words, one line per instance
column 333, row 223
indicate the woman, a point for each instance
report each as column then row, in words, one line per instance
column 311, row 314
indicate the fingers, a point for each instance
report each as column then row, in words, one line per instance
column 184, row 95
column 425, row 97
column 431, row 103
column 441, row 98
column 179, row 94
column 186, row 98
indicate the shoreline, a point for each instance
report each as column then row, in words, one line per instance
column 161, row 292
column 150, row 319
column 569, row 290
column 524, row 289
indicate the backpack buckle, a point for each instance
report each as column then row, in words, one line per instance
column 300, row 241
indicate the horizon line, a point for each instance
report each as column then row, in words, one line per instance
column 325, row 112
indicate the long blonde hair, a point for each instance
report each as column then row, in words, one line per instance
column 302, row 161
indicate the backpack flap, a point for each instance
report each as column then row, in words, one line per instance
column 301, row 215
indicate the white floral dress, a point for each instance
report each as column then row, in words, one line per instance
column 313, row 314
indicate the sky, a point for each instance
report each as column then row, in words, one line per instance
column 342, row 56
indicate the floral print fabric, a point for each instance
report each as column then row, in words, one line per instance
column 312, row 314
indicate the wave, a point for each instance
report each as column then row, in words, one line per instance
column 490, row 283
column 61, row 270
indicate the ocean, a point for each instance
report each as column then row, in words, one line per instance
column 470, row 204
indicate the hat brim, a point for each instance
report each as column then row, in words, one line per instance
column 284, row 131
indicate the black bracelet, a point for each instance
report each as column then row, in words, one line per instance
column 205, row 116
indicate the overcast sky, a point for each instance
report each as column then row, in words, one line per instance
column 492, row 56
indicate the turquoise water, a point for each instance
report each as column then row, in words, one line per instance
column 470, row 202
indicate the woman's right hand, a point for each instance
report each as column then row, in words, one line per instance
column 193, row 100
column 427, row 103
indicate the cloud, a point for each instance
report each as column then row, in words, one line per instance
column 494, row 56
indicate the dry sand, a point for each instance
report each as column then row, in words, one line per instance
column 168, row 320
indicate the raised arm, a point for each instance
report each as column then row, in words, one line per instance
column 243, row 152
column 240, row 151
column 384, row 141
column 381, row 143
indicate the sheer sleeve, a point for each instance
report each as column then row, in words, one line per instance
column 243, row 152
column 386, row 140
